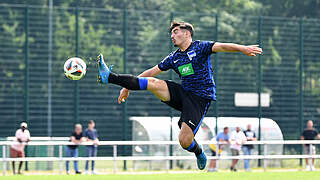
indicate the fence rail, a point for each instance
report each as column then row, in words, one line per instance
column 167, row 157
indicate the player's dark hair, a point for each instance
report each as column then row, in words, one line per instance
column 225, row 128
column 182, row 25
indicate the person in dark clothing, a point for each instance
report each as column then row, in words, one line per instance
column 72, row 150
column 91, row 135
column 309, row 134
column 247, row 149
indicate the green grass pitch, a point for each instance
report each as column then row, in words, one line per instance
column 187, row 176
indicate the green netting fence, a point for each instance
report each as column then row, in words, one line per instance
column 36, row 40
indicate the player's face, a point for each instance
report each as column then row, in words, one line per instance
column 178, row 36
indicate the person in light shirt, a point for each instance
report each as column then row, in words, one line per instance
column 17, row 149
column 237, row 138
column 221, row 137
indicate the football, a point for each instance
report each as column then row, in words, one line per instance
column 75, row 68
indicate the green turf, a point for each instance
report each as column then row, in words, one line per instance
column 187, row 176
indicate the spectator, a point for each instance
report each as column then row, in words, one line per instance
column 309, row 134
column 17, row 150
column 247, row 149
column 222, row 137
column 238, row 138
column 91, row 135
column 72, row 150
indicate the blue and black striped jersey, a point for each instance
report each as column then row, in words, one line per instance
column 194, row 68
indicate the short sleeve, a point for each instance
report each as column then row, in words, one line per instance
column 166, row 63
column 96, row 132
column 73, row 134
column 227, row 137
column 28, row 134
column 206, row 47
column 232, row 137
column 245, row 133
column 244, row 137
column 303, row 133
column 217, row 138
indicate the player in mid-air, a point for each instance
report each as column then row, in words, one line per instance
column 191, row 61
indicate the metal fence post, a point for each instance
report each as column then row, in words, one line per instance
column 76, row 85
column 216, row 70
column 26, row 73
column 150, row 154
column 301, row 64
column 310, row 154
column 49, row 111
column 61, row 161
column 217, row 155
column 49, row 118
column 167, row 161
column 4, row 160
column 171, row 110
column 124, row 105
column 114, row 158
column 259, row 85
column 264, row 157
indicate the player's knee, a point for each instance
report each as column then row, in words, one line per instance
column 184, row 144
column 153, row 83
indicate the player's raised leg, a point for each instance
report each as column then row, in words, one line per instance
column 158, row 87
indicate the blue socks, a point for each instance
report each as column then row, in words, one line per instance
column 195, row 148
column 143, row 83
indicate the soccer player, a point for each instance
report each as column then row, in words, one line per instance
column 191, row 61
column 309, row 134
column 17, row 150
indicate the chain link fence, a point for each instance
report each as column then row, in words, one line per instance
column 36, row 40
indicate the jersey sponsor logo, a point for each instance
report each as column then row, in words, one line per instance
column 191, row 54
column 191, row 123
column 186, row 70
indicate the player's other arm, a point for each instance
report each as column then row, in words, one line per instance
column 251, row 50
column 152, row 72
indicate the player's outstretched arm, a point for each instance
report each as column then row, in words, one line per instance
column 152, row 72
column 251, row 50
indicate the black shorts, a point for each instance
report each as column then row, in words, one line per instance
column 193, row 108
